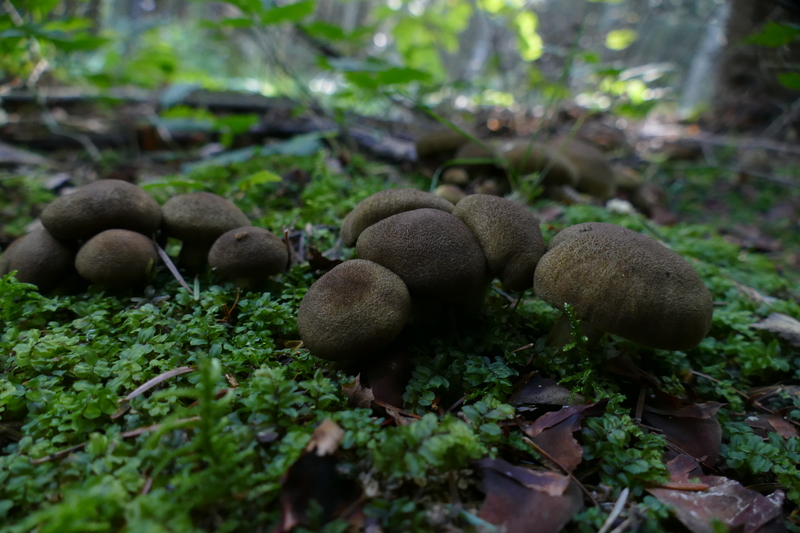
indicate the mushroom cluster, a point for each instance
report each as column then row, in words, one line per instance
column 104, row 232
column 435, row 251
column 562, row 161
column 411, row 246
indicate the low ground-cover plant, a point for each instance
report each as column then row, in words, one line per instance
column 209, row 447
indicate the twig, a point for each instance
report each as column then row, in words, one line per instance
column 616, row 511
column 547, row 456
column 171, row 267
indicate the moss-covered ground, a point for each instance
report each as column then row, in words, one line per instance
column 206, row 450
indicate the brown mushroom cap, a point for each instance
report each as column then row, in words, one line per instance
column 439, row 141
column 116, row 258
column 384, row 204
column 433, row 252
column 627, row 284
column 39, row 259
column 102, row 205
column 451, row 193
column 526, row 157
column 248, row 255
column 353, row 310
column 509, row 235
column 595, row 174
column 201, row 217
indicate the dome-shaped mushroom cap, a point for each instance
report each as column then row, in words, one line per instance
column 116, row 258
column 439, row 141
column 433, row 252
column 353, row 310
column 509, row 235
column 39, row 259
column 595, row 174
column 627, row 284
column 102, row 205
column 384, row 204
column 201, row 217
column 526, row 157
column 248, row 255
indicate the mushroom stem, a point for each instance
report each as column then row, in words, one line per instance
column 562, row 334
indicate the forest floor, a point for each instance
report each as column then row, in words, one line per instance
column 196, row 407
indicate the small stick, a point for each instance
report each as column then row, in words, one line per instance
column 616, row 511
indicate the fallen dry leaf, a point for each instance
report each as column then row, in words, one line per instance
column 727, row 501
column 358, row 395
column 315, row 478
column 527, row 501
column 388, row 375
column 783, row 325
column 539, row 390
column 552, row 432
column 319, row 262
column 693, row 428
column 776, row 422
column 753, row 294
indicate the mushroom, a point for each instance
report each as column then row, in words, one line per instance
column 248, row 255
column 433, row 252
column 102, row 205
column 509, row 235
column 525, row 157
column 384, row 204
column 116, row 258
column 451, row 193
column 39, row 259
column 595, row 174
column 198, row 219
column 440, row 141
column 353, row 310
column 624, row 283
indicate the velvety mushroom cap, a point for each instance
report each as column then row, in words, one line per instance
column 439, row 141
column 595, row 174
column 509, row 235
column 102, row 205
column 116, row 258
column 433, row 252
column 384, row 204
column 353, row 310
column 526, row 157
column 248, row 255
column 39, row 259
column 627, row 284
column 201, row 217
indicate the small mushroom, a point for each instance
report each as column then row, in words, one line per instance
column 509, row 235
column 526, row 157
column 595, row 174
column 102, row 205
column 440, row 141
column 353, row 310
column 384, row 204
column 116, row 258
column 433, row 252
column 451, row 193
column 198, row 219
column 624, row 283
column 248, row 255
column 39, row 259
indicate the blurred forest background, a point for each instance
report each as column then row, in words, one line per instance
column 683, row 57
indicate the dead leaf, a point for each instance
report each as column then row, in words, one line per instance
column 693, row 428
column 539, row 390
column 753, row 294
column 326, row 438
column 552, row 432
column 527, row 501
column 314, row 478
column 400, row 417
column 726, row 500
column 776, row 422
column 357, row 394
column 783, row 325
column 319, row 262
column 550, row 213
